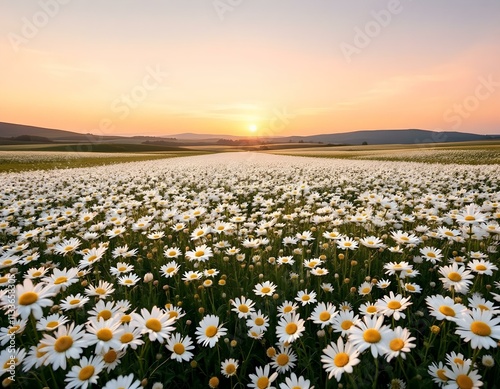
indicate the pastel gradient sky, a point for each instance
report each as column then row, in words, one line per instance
column 280, row 67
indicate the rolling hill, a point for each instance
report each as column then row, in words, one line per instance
column 10, row 132
column 409, row 136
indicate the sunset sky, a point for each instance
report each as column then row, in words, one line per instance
column 242, row 67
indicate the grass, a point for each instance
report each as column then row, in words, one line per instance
column 470, row 153
column 82, row 160
column 97, row 147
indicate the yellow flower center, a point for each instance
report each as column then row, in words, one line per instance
column 480, row 328
column 28, row 298
column 291, row 328
column 86, row 373
column 170, row 269
column 172, row 314
column 454, row 276
column 481, row 268
column 100, row 291
column 63, row 343
column 469, row 218
column 441, row 374
column 126, row 337
column 396, row 344
column 74, row 302
column 179, row 348
column 230, row 369
column 199, row 253
column 464, row 381
column 39, row 353
column 306, row 297
column 265, row 289
column 394, row 305
column 153, row 324
column 324, row 316
column 282, row 359
column 366, row 290
column 371, row 309
column 126, row 319
column 213, row 382
column 92, row 258
column 483, row 307
column 128, row 281
column 459, row 361
column 52, row 324
column 110, row 356
column 288, row 309
column 371, row 335
column 7, row 364
column 3, row 280
column 13, row 329
column 346, row 324
column 431, row 254
column 347, row 244
column 68, row 248
column 243, row 308
column 172, row 253
column 262, row 382
column 211, row 331
column 341, row 359
column 259, row 321
column 446, row 310
column 105, row 314
column 409, row 287
column 37, row 274
column 104, row 334
column 60, row 280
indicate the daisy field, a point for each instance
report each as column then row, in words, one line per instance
column 241, row 270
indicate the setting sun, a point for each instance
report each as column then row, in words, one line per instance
column 252, row 127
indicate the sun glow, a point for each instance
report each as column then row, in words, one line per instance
column 252, row 127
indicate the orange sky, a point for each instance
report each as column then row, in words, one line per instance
column 285, row 68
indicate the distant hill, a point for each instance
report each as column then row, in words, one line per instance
column 374, row 137
column 19, row 132
column 23, row 139
column 10, row 130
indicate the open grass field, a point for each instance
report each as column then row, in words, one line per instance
column 33, row 158
column 248, row 269
column 475, row 153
